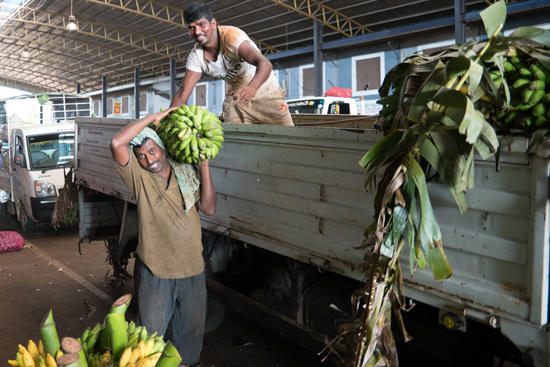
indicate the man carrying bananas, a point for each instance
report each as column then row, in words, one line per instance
column 169, row 272
column 253, row 94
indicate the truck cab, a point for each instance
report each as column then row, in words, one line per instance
column 323, row 105
column 35, row 171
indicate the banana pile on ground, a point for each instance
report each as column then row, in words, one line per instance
column 529, row 83
column 116, row 342
column 191, row 134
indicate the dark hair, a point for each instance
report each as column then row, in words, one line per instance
column 196, row 11
column 142, row 143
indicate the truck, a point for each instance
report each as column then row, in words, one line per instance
column 38, row 149
column 284, row 246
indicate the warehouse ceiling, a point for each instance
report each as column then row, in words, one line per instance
column 115, row 37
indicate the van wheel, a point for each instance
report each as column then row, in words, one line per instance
column 28, row 225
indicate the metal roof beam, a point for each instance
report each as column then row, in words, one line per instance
column 318, row 11
column 35, row 78
column 88, row 48
column 98, row 30
column 16, row 84
column 162, row 12
column 15, row 61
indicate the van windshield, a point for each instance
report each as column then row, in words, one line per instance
column 51, row 150
column 306, row 106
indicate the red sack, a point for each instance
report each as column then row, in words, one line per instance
column 11, row 241
column 338, row 92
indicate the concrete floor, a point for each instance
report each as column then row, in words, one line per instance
column 51, row 274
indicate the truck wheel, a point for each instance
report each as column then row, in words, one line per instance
column 28, row 225
column 215, row 311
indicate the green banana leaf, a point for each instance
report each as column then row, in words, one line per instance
column 494, row 16
column 538, row 136
column 428, row 91
column 430, row 234
column 462, row 111
column 449, row 171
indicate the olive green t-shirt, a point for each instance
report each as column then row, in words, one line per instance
column 169, row 238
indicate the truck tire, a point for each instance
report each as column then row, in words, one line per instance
column 28, row 225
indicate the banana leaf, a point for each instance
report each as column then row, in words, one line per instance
column 428, row 91
column 462, row 111
column 494, row 16
column 430, row 234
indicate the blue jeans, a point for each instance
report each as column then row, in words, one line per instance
column 182, row 301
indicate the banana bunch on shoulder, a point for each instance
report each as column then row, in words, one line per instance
column 191, row 134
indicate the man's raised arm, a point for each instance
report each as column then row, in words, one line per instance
column 190, row 79
column 119, row 142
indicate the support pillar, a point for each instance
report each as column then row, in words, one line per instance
column 136, row 94
column 77, row 88
column 317, row 59
column 460, row 25
column 104, row 98
column 173, row 88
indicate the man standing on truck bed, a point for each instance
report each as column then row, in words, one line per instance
column 226, row 52
column 170, row 266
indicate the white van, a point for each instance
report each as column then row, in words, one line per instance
column 323, row 105
column 33, row 170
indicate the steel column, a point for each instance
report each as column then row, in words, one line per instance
column 77, row 88
column 460, row 25
column 173, row 88
column 104, row 97
column 317, row 59
column 136, row 94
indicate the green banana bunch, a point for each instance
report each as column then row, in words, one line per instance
column 528, row 108
column 191, row 134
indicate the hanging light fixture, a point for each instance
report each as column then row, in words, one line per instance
column 25, row 54
column 72, row 26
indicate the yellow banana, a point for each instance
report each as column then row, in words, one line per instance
column 141, row 347
column 50, row 361
column 19, row 359
column 134, row 357
column 125, row 357
column 146, row 362
column 155, row 357
column 105, row 358
column 22, row 349
column 58, row 354
column 149, row 346
column 13, row 363
column 33, row 349
column 27, row 359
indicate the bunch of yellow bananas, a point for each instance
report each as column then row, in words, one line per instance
column 191, row 134
column 34, row 356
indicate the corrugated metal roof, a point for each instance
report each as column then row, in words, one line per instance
column 116, row 37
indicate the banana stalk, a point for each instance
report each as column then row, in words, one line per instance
column 119, row 306
column 73, row 346
column 48, row 334
column 119, row 335
column 69, row 360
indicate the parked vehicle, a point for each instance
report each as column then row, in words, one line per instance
column 323, row 105
column 285, row 244
column 36, row 149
